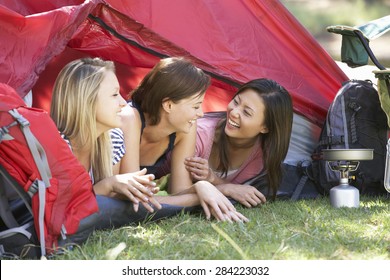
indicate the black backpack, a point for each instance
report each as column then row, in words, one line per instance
column 355, row 120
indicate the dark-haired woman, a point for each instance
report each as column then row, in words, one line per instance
column 241, row 151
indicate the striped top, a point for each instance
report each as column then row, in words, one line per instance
column 118, row 149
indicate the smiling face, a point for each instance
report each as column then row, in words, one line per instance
column 109, row 103
column 184, row 113
column 245, row 116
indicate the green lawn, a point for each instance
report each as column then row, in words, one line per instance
column 283, row 230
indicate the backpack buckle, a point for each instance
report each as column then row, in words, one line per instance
column 33, row 189
column 19, row 118
column 4, row 132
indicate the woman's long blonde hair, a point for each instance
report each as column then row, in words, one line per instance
column 73, row 109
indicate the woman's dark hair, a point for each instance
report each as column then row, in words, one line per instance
column 278, row 118
column 173, row 78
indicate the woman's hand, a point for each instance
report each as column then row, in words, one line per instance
column 246, row 195
column 138, row 187
column 232, row 216
column 199, row 169
column 215, row 203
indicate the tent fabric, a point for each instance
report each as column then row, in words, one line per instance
column 31, row 36
column 233, row 41
column 247, row 40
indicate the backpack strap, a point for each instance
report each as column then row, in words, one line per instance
column 40, row 159
column 299, row 187
column 20, row 229
column 302, row 166
column 355, row 107
column 36, row 148
column 344, row 117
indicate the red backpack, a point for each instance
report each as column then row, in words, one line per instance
column 35, row 156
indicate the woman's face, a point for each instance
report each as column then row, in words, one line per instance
column 184, row 114
column 245, row 115
column 109, row 103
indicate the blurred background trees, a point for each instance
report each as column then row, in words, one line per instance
column 316, row 15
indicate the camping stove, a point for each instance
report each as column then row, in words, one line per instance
column 345, row 161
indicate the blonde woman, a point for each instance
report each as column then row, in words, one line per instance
column 86, row 104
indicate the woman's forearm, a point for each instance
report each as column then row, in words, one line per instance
column 103, row 187
column 185, row 200
column 216, row 180
column 224, row 188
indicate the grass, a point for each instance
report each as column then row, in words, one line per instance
column 284, row 230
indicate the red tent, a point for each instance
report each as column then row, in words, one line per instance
column 234, row 41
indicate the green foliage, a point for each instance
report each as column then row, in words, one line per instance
column 317, row 15
column 281, row 230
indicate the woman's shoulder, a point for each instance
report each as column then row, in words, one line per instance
column 131, row 120
column 130, row 112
